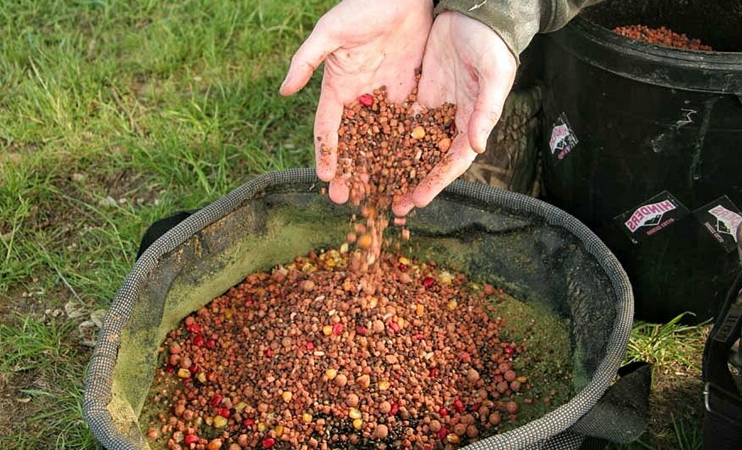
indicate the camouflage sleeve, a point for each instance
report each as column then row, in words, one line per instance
column 517, row 21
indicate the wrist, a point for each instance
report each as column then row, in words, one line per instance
column 514, row 22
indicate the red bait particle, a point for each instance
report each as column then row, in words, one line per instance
column 211, row 344
column 224, row 412
column 268, row 442
column 428, row 282
column 310, row 346
column 248, row 422
column 394, row 410
column 337, row 329
column 443, row 412
column 198, row 340
column 216, row 400
column 394, row 326
column 442, row 433
column 191, row 439
column 366, row 100
column 194, row 328
column 458, row 405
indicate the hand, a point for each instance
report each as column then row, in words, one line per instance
column 364, row 44
column 468, row 64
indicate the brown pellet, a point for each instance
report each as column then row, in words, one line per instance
column 310, row 348
column 661, row 36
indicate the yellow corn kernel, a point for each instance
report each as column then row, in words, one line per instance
column 220, row 422
column 358, row 424
column 418, row 132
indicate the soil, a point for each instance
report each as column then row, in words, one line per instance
column 676, row 398
column 305, row 356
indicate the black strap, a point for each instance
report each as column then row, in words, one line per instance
column 722, row 424
column 622, row 414
column 161, row 227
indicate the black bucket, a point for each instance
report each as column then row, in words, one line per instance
column 644, row 145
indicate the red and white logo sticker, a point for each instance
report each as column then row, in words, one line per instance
column 562, row 139
column 726, row 221
column 721, row 218
column 649, row 215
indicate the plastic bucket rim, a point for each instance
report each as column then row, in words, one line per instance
column 103, row 358
column 659, row 51
column 644, row 63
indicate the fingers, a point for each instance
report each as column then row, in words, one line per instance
column 403, row 205
column 326, row 124
column 453, row 165
column 339, row 191
column 306, row 60
column 493, row 90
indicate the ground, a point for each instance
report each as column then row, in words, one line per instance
column 116, row 114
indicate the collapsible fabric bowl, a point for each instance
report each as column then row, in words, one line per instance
column 531, row 249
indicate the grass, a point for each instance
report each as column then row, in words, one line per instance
column 663, row 344
column 115, row 114
column 41, row 355
column 675, row 350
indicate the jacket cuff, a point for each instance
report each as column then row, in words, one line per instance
column 516, row 22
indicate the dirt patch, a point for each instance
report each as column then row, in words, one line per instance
column 677, row 395
column 17, row 407
column 10, row 158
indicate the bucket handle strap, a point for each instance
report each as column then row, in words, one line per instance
column 161, row 227
column 622, row 414
column 722, row 424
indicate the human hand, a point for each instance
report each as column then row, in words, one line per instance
column 364, row 44
column 468, row 64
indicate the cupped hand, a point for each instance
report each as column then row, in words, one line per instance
column 468, row 64
column 364, row 44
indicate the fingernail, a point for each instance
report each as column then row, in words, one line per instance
column 285, row 82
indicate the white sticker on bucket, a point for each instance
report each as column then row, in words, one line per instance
column 563, row 138
column 721, row 218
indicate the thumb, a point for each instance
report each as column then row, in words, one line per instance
column 306, row 60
